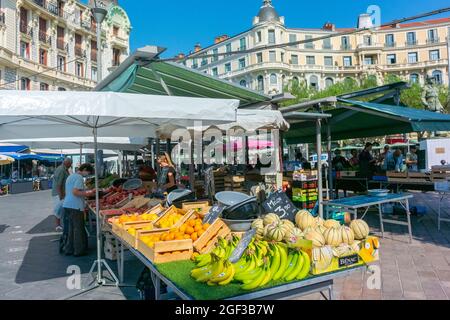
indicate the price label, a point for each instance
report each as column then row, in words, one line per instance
column 213, row 214
column 242, row 246
column 279, row 203
column 348, row 261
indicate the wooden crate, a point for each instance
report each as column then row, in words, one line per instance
column 418, row 175
column 158, row 209
column 199, row 207
column 395, row 174
column 122, row 231
column 122, row 203
column 223, row 233
column 440, row 173
column 187, row 215
column 137, row 202
column 210, row 234
column 162, row 251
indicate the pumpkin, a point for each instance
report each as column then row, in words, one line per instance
column 316, row 237
column 304, row 220
column 321, row 229
column 333, row 237
column 348, row 236
column 329, row 224
column 360, row 228
column 288, row 224
column 258, row 224
column 271, row 218
column 293, row 235
column 275, row 232
column 322, row 257
column 319, row 221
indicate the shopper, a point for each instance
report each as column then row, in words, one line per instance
column 339, row 162
column 366, row 161
column 394, row 161
column 354, row 160
column 412, row 160
column 166, row 178
column 59, row 190
column 76, row 243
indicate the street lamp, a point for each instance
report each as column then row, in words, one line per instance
column 99, row 12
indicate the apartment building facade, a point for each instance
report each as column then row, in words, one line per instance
column 52, row 44
column 412, row 51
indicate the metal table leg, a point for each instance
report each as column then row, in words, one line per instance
column 408, row 214
column 380, row 211
column 439, row 212
column 157, row 288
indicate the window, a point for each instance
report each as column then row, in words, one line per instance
column 78, row 45
column 42, row 30
column 258, row 37
column 242, row 44
column 294, row 59
column 61, row 89
column 367, row 40
column 204, row 61
column 23, row 20
column 273, row 79
column 433, row 36
column 347, row 61
column 61, row 63
column 228, row 47
column 94, row 74
column 314, row 82
column 310, row 60
column 272, row 56
column 293, row 38
column 329, row 82
column 241, row 63
column 434, row 55
column 115, row 31
column 260, row 83
column 328, row 61
column 243, row 83
column 345, row 43
column 437, row 75
column 215, row 72
column 414, row 78
column 282, row 56
column 309, row 45
column 368, row 61
column 412, row 57
column 327, row 43
column 391, row 59
column 228, row 67
column 94, row 51
column 43, row 57
column 43, row 86
column 116, row 57
column 25, row 50
column 411, row 38
column 60, row 38
column 215, row 55
column 79, row 72
column 194, row 64
column 259, row 57
column 25, row 84
column 390, row 42
column 272, row 39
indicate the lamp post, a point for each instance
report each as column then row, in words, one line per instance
column 99, row 12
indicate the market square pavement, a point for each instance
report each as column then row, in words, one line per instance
column 31, row 267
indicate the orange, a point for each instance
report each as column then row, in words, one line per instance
column 190, row 230
column 186, row 237
column 163, row 237
column 199, row 221
column 200, row 233
column 183, row 228
column 197, row 228
column 206, row 226
column 191, row 223
column 194, row 236
column 178, row 237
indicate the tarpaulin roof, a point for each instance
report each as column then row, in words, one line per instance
column 357, row 119
column 143, row 73
column 12, row 148
column 30, row 156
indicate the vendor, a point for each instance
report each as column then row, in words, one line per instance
column 394, row 161
column 412, row 160
column 366, row 161
column 166, row 178
column 76, row 241
column 339, row 162
column 354, row 161
column 386, row 153
column 146, row 172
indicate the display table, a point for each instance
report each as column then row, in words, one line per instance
column 176, row 276
column 398, row 186
column 354, row 184
column 443, row 195
column 21, row 187
column 353, row 204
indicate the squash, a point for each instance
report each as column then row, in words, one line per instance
column 293, row 235
column 348, row 237
column 333, row 237
column 258, row 224
column 316, row 237
column 360, row 229
column 304, row 220
column 322, row 257
column 275, row 232
column 271, row 218
column 331, row 224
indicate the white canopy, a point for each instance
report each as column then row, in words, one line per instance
column 110, row 143
column 74, row 152
column 43, row 114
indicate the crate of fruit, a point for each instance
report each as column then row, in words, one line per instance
column 201, row 207
column 137, row 202
column 128, row 231
column 154, row 248
column 172, row 218
column 208, row 239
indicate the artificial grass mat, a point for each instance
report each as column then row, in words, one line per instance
column 179, row 273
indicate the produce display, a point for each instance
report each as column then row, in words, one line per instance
column 110, row 202
column 260, row 264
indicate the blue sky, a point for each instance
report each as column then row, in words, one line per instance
column 178, row 24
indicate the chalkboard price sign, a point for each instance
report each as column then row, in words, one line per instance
column 348, row 261
column 242, row 246
column 279, row 203
column 213, row 214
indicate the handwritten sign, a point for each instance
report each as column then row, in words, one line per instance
column 279, row 203
column 348, row 261
column 213, row 214
column 242, row 246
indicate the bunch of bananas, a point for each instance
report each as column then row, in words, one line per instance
column 261, row 263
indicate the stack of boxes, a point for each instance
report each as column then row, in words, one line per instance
column 305, row 190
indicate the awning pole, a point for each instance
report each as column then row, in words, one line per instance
column 97, row 214
column 330, row 194
column 319, row 165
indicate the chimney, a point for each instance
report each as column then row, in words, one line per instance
column 329, row 26
column 365, row 21
column 197, row 47
column 181, row 55
column 221, row 38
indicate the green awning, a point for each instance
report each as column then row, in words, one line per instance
column 167, row 78
column 357, row 119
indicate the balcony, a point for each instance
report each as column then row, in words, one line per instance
column 309, row 46
column 44, row 38
column 411, row 43
column 346, row 47
column 25, row 29
column 433, row 40
column 50, row 6
column 94, row 55
column 327, row 47
column 62, row 45
column 79, row 51
column 390, row 44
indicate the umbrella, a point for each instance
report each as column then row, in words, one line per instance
column 5, row 160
